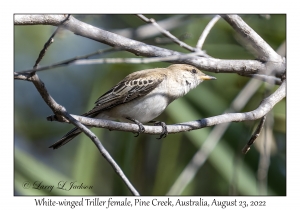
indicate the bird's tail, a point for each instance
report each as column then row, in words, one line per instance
column 66, row 138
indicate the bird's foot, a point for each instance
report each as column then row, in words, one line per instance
column 141, row 127
column 164, row 132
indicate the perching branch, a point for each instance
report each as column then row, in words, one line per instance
column 266, row 105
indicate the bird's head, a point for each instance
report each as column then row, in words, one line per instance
column 190, row 73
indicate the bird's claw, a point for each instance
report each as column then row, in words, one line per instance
column 141, row 127
column 141, row 130
column 164, row 132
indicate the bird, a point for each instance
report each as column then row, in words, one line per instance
column 142, row 96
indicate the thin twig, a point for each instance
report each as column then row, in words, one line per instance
column 136, row 60
column 147, row 31
column 48, row 43
column 46, row 46
column 68, row 61
column 255, row 135
column 167, row 40
column 269, row 79
column 168, row 34
column 206, row 31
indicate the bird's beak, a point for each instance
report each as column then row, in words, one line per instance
column 206, row 77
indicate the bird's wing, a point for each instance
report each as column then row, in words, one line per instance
column 126, row 90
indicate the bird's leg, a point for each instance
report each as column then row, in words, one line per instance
column 164, row 128
column 141, row 127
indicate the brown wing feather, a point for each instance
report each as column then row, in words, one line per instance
column 125, row 91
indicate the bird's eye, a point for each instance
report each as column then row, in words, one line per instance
column 194, row 71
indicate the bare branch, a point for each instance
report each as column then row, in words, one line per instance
column 260, row 47
column 61, row 112
column 206, row 31
column 255, row 135
column 142, row 49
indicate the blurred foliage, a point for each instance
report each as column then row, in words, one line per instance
column 151, row 165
